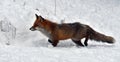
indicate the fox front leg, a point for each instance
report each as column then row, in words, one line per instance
column 50, row 41
column 54, row 42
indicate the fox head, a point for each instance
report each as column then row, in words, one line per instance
column 39, row 23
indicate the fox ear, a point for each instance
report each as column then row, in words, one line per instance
column 36, row 16
column 42, row 19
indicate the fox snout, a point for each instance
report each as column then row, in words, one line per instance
column 32, row 29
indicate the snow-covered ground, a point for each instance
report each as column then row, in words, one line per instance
column 17, row 16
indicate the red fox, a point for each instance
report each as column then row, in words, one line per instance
column 75, row 31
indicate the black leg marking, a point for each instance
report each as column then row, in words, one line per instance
column 86, row 41
column 55, row 42
column 78, row 43
column 50, row 41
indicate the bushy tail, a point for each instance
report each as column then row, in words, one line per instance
column 100, row 37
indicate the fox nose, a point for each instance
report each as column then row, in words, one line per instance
column 32, row 29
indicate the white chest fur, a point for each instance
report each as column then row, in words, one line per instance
column 45, row 32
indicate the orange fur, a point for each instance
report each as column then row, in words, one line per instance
column 75, row 31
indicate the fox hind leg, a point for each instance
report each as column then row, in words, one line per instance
column 78, row 42
column 86, row 41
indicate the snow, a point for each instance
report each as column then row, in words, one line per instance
column 57, row 54
column 19, row 44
